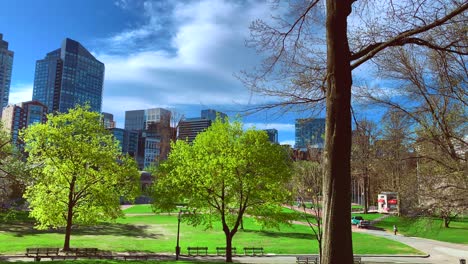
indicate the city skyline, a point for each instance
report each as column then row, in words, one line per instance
column 157, row 53
column 167, row 54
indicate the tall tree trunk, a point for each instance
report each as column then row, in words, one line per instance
column 228, row 246
column 337, row 241
column 66, row 244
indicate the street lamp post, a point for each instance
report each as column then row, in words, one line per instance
column 177, row 249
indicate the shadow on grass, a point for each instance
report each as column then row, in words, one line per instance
column 281, row 234
column 138, row 231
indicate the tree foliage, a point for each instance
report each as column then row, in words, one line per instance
column 79, row 173
column 13, row 171
column 223, row 175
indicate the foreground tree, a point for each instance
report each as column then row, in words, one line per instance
column 225, row 174
column 297, row 46
column 80, row 175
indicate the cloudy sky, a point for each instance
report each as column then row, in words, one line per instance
column 180, row 55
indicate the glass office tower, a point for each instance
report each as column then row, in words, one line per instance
column 310, row 133
column 69, row 76
column 6, row 65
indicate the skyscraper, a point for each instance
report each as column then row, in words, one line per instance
column 6, row 65
column 20, row 116
column 189, row 128
column 69, row 76
column 108, row 120
column 272, row 135
column 154, row 134
column 211, row 114
column 309, row 133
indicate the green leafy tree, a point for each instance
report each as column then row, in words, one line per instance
column 226, row 173
column 80, row 174
column 13, row 171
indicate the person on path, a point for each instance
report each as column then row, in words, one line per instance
column 395, row 229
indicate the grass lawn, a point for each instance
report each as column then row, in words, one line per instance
column 370, row 216
column 139, row 209
column 357, row 207
column 157, row 233
column 431, row 228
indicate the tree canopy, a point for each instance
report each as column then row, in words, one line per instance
column 12, row 171
column 79, row 174
column 224, row 174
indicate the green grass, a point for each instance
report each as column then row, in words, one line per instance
column 431, row 228
column 369, row 217
column 139, row 209
column 157, row 233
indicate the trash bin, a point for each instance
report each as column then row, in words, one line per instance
column 462, row 261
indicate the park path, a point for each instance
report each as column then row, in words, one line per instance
column 440, row 252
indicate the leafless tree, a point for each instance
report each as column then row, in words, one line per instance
column 355, row 33
column 362, row 156
column 435, row 84
column 307, row 186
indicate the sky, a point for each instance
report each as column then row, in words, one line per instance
column 179, row 55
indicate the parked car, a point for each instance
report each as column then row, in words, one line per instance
column 360, row 222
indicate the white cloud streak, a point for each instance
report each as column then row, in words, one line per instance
column 196, row 66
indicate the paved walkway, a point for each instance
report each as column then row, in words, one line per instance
column 440, row 252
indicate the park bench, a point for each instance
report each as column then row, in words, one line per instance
column 253, row 250
column 357, row 260
column 197, row 250
column 38, row 253
column 307, row 259
column 222, row 251
column 83, row 252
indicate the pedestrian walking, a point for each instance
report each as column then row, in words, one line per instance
column 395, row 229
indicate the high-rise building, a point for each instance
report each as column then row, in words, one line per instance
column 6, row 66
column 189, row 128
column 142, row 119
column 108, row 120
column 154, row 130
column 20, row 116
column 69, row 76
column 272, row 135
column 128, row 140
column 211, row 114
column 309, row 133
column 149, row 149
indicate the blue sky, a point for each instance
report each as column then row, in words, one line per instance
column 179, row 55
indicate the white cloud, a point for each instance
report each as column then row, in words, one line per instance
column 20, row 93
column 203, row 46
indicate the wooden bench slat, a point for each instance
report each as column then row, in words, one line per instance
column 253, row 250
column 197, row 250
column 307, row 259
